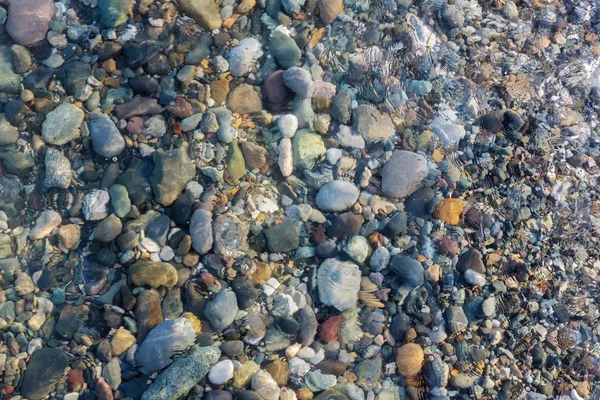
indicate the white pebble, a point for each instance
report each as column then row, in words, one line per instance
column 286, row 157
column 288, row 125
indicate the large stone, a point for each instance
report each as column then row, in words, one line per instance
column 29, row 20
column 71, row 319
column 372, row 124
column 244, row 99
column 285, row 50
column 284, row 237
column 230, row 236
column 62, row 124
column 205, row 12
column 108, row 229
column 74, row 75
column 330, row 9
column 138, row 106
column 409, row 270
column 186, row 371
column 106, row 138
column 45, row 369
column 403, row 173
column 148, row 313
column 172, row 171
column 337, row 196
column 9, row 80
column 162, row 343
column 242, row 58
column 153, row 274
column 201, row 231
column 45, row 224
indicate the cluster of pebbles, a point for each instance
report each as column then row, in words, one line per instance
column 299, row 199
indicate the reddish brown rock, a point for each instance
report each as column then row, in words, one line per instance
column 275, row 90
column 332, row 367
column 448, row 246
column 75, row 379
column 103, row 390
column 148, row 313
column 28, row 20
column 138, row 106
column 329, row 329
column 181, row 108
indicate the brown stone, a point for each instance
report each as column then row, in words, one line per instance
column 219, row 89
column 75, row 379
column 244, row 99
column 280, row 372
column 255, row 155
column 448, row 246
column 121, row 341
column 181, row 108
column 28, row 20
column 138, row 106
column 346, row 225
column 103, row 391
column 69, row 236
column 205, row 12
column 329, row 329
column 262, row 274
column 330, row 9
column 332, row 367
column 409, row 359
column 242, row 376
column 191, row 259
column 148, row 313
column 449, row 211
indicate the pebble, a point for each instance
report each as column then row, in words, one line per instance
column 286, row 158
column 45, row 223
column 222, row 310
column 339, row 283
column 337, row 196
column 58, row 170
column 62, row 124
column 106, row 138
column 221, row 372
column 403, row 174
column 29, row 20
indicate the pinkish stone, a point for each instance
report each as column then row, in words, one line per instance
column 274, row 87
column 29, row 20
column 135, row 126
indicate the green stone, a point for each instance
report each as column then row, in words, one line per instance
column 114, row 12
column 308, row 148
column 236, row 166
column 9, row 80
column 285, row 50
column 119, row 198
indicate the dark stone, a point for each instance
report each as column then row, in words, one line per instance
column 470, row 259
column 330, row 394
column 73, row 76
column 346, row 225
column 397, row 225
column 135, row 55
column 332, row 367
column 308, row 325
column 38, row 79
column 513, row 121
column 70, row 320
column 158, row 65
column 46, row 367
column 419, row 203
column 245, row 292
column 409, row 270
column 400, row 324
column 143, row 85
column 218, row 395
column 232, row 348
column 107, row 50
column 492, row 121
column 181, row 209
column 289, row 326
column 158, row 229
column 135, row 179
column 284, row 237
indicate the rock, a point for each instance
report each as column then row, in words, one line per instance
column 330, row 9
column 244, row 99
column 242, row 376
column 62, row 124
column 95, row 205
column 308, row 148
column 284, row 237
column 8, row 133
column 17, row 163
column 45, row 369
column 114, row 13
column 292, row 6
column 9, row 80
column 284, row 49
column 446, row 127
column 341, row 107
column 456, row 320
column 255, row 155
column 379, row 259
column 187, row 371
column 138, row 106
column 148, row 313
column 510, row 10
column 338, row 283
column 288, row 125
column 58, row 170
column 230, row 236
column 221, row 310
column 470, row 259
column 69, row 236
column 372, row 125
column 265, row 386
column 121, row 341
column 243, row 57
column 204, row 12
column 172, row 171
column 308, row 326
column 162, row 343
column 279, row 371
column 318, row 381
column 29, row 20
column 112, row 373
column 285, row 160
column 73, row 76
column 106, row 138
column 153, row 274
column 236, row 166
column 45, row 224
column 108, row 229
column 119, row 199
column 409, row 270
column 358, row 249
column 299, row 81
column 232, row 348
column 348, row 138
column 23, row 284
column 274, row 87
column 337, row 196
column 21, row 59
column 221, row 372
column 449, row 211
column 475, row 278
column 403, row 174
column 409, row 359
column 70, row 320
column 201, row 231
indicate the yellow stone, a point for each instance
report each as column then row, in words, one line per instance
column 449, row 211
column 262, row 273
column 196, row 323
column 121, row 341
column 242, row 376
column 410, row 359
